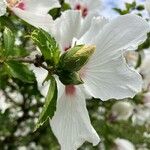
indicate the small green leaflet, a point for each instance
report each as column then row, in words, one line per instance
column 7, row 22
column 9, row 40
column 19, row 71
column 48, row 46
column 49, row 107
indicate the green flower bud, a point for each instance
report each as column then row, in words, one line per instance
column 75, row 58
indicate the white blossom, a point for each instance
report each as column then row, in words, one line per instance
column 146, row 99
column 35, row 12
column 145, row 70
column 86, row 7
column 141, row 115
column 105, row 76
column 123, row 144
column 122, row 110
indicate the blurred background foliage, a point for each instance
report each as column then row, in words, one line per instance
column 21, row 101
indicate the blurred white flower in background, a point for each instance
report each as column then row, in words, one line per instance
column 141, row 115
column 145, row 70
column 122, row 110
column 123, row 144
column 146, row 99
column 3, row 105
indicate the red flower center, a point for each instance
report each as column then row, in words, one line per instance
column 85, row 12
column 70, row 89
column 21, row 5
column 67, row 47
column 83, row 9
column 78, row 7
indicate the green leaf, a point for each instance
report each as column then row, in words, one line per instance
column 118, row 10
column 65, row 6
column 9, row 40
column 19, row 52
column 140, row 8
column 19, row 71
column 55, row 13
column 6, row 21
column 3, row 77
column 49, row 107
column 47, row 45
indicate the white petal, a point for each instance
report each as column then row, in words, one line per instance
column 107, row 75
column 112, row 79
column 67, row 27
column 96, row 24
column 41, row 75
column 40, row 6
column 86, row 23
column 71, row 123
column 121, row 33
column 2, row 8
column 38, row 20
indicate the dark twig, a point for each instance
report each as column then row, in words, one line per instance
column 37, row 62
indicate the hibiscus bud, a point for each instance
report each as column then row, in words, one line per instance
column 75, row 58
column 121, row 110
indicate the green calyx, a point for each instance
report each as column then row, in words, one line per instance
column 75, row 58
column 72, row 61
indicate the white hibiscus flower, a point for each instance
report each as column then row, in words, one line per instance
column 86, row 7
column 105, row 76
column 35, row 12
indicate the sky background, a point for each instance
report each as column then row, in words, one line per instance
column 109, row 4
